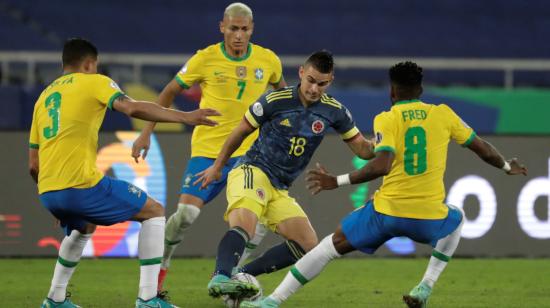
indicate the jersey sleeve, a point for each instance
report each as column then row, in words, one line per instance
column 344, row 124
column 461, row 133
column 191, row 72
column 106, row 91
column 277, row 74
column 258, row 113
column 384, row 132
column 34, row 138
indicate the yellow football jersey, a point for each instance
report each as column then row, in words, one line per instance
column 229, row 85
column 418, row 134
column 65, row 124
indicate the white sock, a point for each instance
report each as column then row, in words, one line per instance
column 150, row 248
column 441, row 255
column 307, row 268
column 175, row 229
column 259, row 235
column 69, row 255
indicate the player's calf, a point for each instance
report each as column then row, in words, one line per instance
column 276, row 258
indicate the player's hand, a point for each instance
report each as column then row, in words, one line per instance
column 207, row 176
column 319, row 179
column 142, row 143
column 516, row 167
column 200, row 117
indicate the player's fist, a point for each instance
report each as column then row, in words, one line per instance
column 142, row 143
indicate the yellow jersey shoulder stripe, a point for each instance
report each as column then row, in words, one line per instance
column 278, row 93
column 279, row 96
column 289, row 90
column 330, row 101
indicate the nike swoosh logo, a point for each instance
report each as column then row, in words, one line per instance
column 218, row 73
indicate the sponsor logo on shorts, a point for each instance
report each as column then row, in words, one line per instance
column 260, row 192
column 187, row 180
column 134, row 190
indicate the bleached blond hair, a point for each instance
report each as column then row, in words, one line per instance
column 238, row 9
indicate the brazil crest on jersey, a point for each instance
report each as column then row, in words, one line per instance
column 418, row 134
column 229, row 85
column 290, row 132
column 65, row 124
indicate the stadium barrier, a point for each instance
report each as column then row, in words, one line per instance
column 137, row 61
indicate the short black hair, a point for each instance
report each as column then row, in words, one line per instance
column 406, row 77
column 322, row 61
column 77, row 49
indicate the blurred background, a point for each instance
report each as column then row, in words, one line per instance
column 489, row 60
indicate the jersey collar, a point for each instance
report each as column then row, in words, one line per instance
column 410, row 101
column 248, row 52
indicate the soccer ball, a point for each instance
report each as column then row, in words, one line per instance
column 231, row 302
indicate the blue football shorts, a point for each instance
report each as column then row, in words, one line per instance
column 367, row 229
column 109, row 202
column 198, row 164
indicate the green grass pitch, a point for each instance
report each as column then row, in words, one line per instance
column 362, row 282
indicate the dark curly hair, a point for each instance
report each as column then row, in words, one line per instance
column 406, row 77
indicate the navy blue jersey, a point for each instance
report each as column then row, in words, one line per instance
column 290, row 132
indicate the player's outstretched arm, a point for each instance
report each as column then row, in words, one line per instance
column 488, row 153
column 143, row 141
column 232, row 143
column 320, row 179
column 33, row 164
column 361, row 146
column 152, row 112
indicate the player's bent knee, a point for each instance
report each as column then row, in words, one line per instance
column 88, row 229
column 151, row 209
column 187, row 214
column 158, row 210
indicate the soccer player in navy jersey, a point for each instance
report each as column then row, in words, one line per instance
column 292, row 123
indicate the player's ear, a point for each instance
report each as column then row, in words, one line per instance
column 222, row 27
column 392, row 94
column 301, row 71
